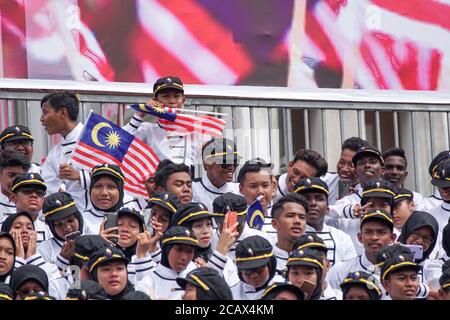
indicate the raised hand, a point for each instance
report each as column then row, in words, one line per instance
column 228, row 237
column 108, row 234
column 20, row 251
column 32, row 244
column 68, row 249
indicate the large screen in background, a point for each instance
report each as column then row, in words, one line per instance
column 367, row 44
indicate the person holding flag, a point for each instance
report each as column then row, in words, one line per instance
column 180, row 140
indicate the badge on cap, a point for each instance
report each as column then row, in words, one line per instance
column 106, row 165
column 310, row 239
column 108, row 252
column 31, row 176
column 308, row 182
column 187, row 233
column 356, row 275
column 250, row 252
column 58, row 203
column 378, row 185
column 17, row 129
column 166, row 196
column 169, row 80
column 401, row 258
column 201, row 206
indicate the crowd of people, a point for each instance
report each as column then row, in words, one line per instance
column 354, row 234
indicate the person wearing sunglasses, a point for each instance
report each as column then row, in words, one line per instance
column 220, row 160
column 28, row 192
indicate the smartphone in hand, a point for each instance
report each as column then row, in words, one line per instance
column 112, row 222
column 344, row 188
column 232, row 219
column 417, row 250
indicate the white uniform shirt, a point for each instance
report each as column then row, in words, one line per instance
column 442, row 215
column 331, row 294
column 244, row 291
column 282, row 188
column 269, row 229
column 179, row 148
column 92, row 220
column 205, row 192
column 6, row 207
column 161, row 283
column 282, row 257
column 50, row 171
column 339, row 244
column 35, row 168
column 332, row 180
column 429, row 203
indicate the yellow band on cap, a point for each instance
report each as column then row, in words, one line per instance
column 376, row 214
column 241, row 213
column 112, row 170
column 395, row 266
column 200, row 282
column 6, row 297
column 312, row 244
column 71, row 204
column 401, row 195
column 99, row 260
column 15, row 134
column 221, row 154
column 165, row 202
column 166, row 85
column 370, row 284
column 37, row 298
column 180, row 238
column 446, row 285
column 269, row 289
column 79, row 256
column 307, row 260
column 31, row 181
column 71, row 299
column 267, row 255
column 193, row 215
column 378, row 190
column 314, row 186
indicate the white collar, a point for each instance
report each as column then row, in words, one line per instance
column 367, row 265
column 325, row 228
column 445, row 206
column 73, row 135
column 169, row 274
column 209, row 186
column 280, row 253
column 5, row 200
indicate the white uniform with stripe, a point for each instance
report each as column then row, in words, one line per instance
column 161, row 283
column 50, row 170
column 205, row 192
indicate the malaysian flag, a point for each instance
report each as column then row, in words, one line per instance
column 183, row 123
column 103, row 142
column 255, row 215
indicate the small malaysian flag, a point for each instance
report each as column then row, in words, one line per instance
column 103, row 142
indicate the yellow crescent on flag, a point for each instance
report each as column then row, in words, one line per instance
column 256, row 213
column 95, row 131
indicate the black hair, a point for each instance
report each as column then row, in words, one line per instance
column 64, row 99
column 163, row 174
column 10, row 158
column 253, row 167
column 399, row 152
column 313, row 158
column 354, row 144
column 290, row 197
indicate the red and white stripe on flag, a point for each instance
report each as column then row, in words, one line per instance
column 208, row 125
column 139, row 163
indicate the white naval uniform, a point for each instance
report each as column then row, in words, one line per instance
column 442, row 215
column 269, row 229
column 161, row 283
column 175, row 146
column 35, row 168
column 433, row 271
column 50, row 171
column 92, row 220
column 331, row 294
column 247, row 232
column 281, row 188
column 431, row 202
column 339, row 244
column 339, row 271
column 332, row 181
column 225, row 266
column 205, row 192
column 6, row 207
column 282, row 257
